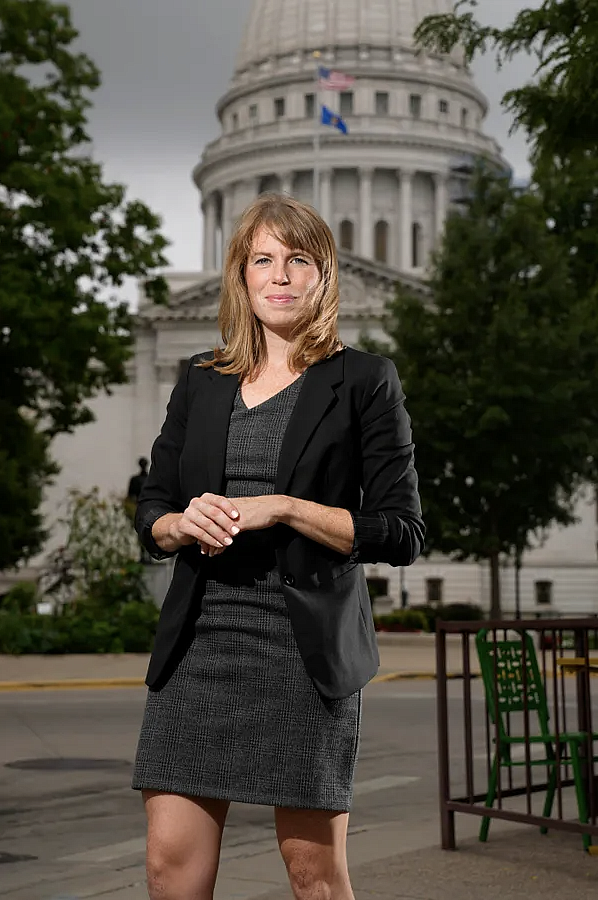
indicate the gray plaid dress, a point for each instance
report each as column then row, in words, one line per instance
column 240, row 719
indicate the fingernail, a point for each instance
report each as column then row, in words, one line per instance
column 203, row 552
column 228, row 541
column 235, row 514
column 235, row 530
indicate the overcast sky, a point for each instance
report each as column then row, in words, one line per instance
column 165, row 63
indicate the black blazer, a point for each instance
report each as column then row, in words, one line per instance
column 348, row 444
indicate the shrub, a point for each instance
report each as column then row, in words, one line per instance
column 100, row 560
column 21, row 597
column 402, row 620
column 129, row 628
column 452, row 612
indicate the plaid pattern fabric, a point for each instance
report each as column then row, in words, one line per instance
column 240, row 719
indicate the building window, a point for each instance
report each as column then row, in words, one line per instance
column 253, row 112
column 416, row 237
column 434, row 591
column 464, row 118
column 377, row 587
column 381, row 241
column 443, row 106
column 415, row 105
column 381, row 103
column 269, row 184
column 279, row 107
column 346, row 107
column 543, row 592
column 347, row 234
column 310, row 106
column 235, row 121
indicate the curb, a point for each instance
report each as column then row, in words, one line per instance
column 84, row 684
column 73, row 684
column 419, row 676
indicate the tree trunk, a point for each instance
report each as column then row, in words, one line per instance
column 495, row 611
column 518, row 583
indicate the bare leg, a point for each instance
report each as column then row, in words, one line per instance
column 313, row 844
column 183, row 845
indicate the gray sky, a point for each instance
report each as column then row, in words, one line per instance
column 165, row 63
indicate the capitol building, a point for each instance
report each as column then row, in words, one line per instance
column 415, row 122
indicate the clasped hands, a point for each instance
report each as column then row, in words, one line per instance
column 213, row 521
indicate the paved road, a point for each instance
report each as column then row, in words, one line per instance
column 50, row 814
column 69, row 833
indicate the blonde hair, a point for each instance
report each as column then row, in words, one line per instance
column 315, row 333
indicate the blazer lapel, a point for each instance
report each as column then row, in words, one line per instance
column 215, row 412
column 315, row 398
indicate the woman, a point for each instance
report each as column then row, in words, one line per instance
column 266, row 635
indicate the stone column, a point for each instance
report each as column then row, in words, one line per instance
column 146, row 412
column 286, row 183
column 366, row 243
column 406, row 201
column 209, row 232
column 440, row 202
column 227, row 218
column 326, row 195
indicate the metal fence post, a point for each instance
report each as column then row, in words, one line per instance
column 447, row 816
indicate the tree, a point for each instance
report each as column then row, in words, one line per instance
column 558, row 109
column 498, row 375
column 100, row 560
column 66, row 238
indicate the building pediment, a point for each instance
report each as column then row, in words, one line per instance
column 365, row 288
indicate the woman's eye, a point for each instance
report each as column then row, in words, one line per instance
column 301, row 260
column 262, row 259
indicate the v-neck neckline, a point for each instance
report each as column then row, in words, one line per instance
column 272, row 397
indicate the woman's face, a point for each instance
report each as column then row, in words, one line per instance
column 279, row 281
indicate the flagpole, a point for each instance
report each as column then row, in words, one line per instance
column 317, row 120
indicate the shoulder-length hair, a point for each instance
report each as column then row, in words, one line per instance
column 315, row 333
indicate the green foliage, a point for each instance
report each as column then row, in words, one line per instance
column 411, row 619
column 558, row 110
column 99, row 564
column 102, row 604
column 21, row 598
column 423, row 618
column 501, row 380
column 116, row 588
column 67, row 238
column 451, row 612
column 558, row 107
column 126, row 629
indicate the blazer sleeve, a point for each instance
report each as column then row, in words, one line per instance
column 388, row 526
column 161, row 492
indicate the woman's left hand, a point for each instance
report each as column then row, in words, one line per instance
column 255, row 513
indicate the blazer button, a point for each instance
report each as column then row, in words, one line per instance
column 289, row 580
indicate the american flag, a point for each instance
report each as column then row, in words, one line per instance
column 330, row 80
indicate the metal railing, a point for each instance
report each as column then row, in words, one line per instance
column 517, row 707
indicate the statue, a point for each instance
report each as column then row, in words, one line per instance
column 132, row 499
column 137, row 481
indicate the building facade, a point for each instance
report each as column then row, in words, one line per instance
column 384, row 188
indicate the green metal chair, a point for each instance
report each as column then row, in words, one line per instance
column 512, row 695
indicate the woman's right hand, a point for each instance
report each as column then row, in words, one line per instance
column 209, row 520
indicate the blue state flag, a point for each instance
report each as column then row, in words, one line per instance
column 330, row 118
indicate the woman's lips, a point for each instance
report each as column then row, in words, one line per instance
column 280, row 298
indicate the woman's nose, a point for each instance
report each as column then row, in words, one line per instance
column 280, row 275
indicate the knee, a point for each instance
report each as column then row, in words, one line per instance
column 311, row 876
column 173, row 874
column 163, row 866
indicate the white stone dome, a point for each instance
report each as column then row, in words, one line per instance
column 279, row 27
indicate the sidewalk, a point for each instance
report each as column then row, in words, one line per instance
column 392, row 860
column 389, row 861
column 401, row 656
